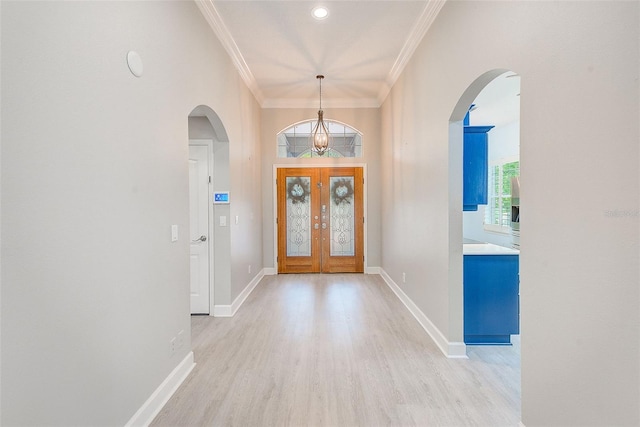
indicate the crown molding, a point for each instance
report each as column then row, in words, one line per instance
column 326, row 103
column 418, row 32
column 212, row 16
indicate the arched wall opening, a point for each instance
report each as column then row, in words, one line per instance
column 207, row 130
column 456, row 235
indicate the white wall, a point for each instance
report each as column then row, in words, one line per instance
column 365, row 120
column 94, row 172
column 578, row 63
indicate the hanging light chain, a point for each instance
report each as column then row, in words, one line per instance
column 320, row 77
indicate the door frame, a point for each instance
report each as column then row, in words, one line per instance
column 274, row 191
column 209, row 144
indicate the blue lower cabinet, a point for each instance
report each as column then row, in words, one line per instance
column 491, row 298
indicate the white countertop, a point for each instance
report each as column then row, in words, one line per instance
column 487, row 249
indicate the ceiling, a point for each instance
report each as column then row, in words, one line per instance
column 360, row 48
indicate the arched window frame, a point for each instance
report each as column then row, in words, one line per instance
column 294, row 140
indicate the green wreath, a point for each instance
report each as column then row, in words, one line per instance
column 297, row 190
column 342, row 191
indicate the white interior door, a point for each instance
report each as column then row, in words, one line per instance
column 199, row 227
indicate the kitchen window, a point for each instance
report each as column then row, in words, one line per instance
column 497, row 214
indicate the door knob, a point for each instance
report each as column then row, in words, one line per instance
column 202, row 238
column 324, row 225
column 316, row 226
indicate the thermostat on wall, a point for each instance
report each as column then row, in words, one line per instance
column 221, row 197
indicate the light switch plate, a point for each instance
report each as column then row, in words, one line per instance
column 174, row 233
column 223, row 221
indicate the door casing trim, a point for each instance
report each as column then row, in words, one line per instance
column 209, row 144
column 274, row 190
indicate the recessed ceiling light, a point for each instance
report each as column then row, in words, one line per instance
column 320, row 12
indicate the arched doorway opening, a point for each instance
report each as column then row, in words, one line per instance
column 488, row 224
column 210, row 247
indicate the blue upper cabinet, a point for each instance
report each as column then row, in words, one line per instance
column 475, row 166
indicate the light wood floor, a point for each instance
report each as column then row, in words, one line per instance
column 337, row 350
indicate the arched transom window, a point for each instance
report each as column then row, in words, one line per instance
column 295, row 141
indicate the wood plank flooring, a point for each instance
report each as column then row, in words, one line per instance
column 337, row 350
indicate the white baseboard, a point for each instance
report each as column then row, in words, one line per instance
column 148, row 411
column 452, row 350
column 372, row 270
column 222, row 311
column 230, row 310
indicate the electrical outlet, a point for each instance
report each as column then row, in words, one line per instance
column 180, row 339
column 404, row 277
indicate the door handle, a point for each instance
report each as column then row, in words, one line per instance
column 202, row 238
column 324, row 225
column 316, row 226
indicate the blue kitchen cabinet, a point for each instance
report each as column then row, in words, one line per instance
column 475, row 166
column 491, row 298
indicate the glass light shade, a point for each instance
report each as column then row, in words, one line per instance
column 320, row 136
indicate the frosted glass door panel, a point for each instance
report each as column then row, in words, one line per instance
column 342, row 216
column 298, row 216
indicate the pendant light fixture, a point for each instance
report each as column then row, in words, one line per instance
column 320, row 134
